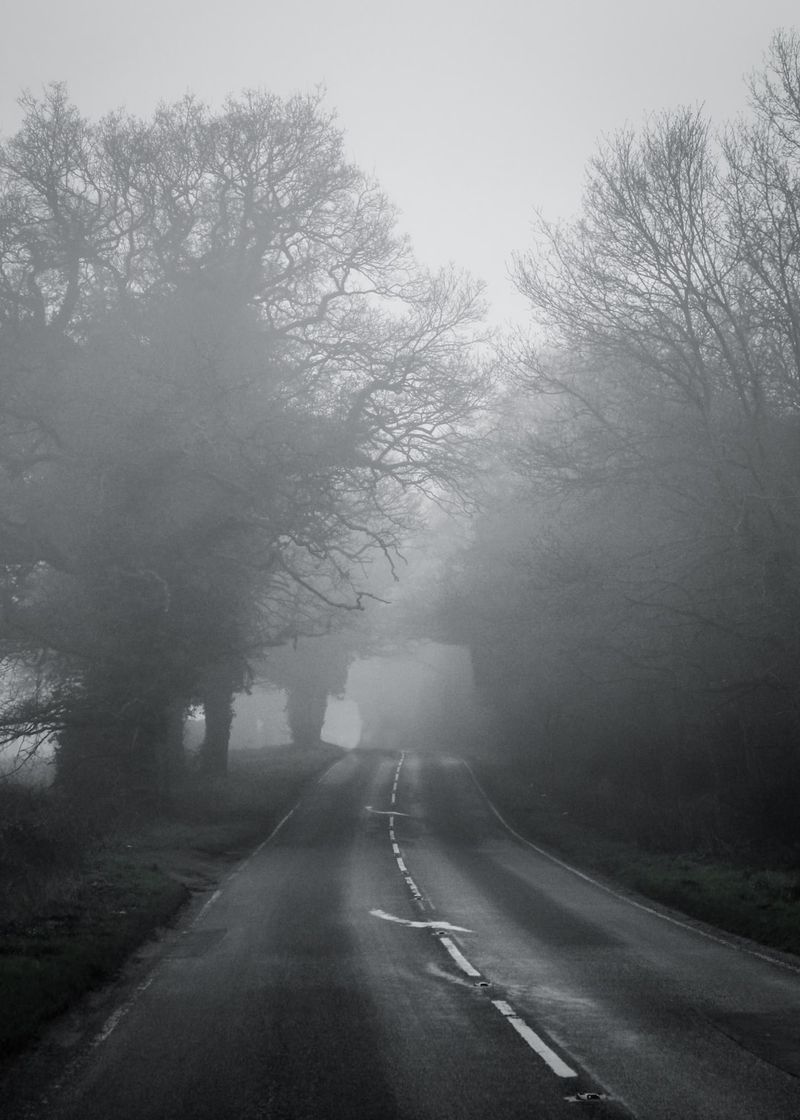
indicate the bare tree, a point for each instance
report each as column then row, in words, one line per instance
column 225, row 377
column 647, row 627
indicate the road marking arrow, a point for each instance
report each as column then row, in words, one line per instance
column 418, row 925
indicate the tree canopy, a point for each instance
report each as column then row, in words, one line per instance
column 223, row 378
column 632, row 592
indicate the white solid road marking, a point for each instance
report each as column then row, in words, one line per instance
column 206, row 905
column 556, row 1064
column 624, row 898
column 272, row 834
column 111, row 1022
column 385, row 812
column 418, row 925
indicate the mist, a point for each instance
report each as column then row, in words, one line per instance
column 363, row 644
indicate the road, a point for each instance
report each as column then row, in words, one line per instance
column 393, row 951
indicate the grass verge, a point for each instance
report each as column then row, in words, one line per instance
column 77, row 933
column 753, row 895
column 65, row 950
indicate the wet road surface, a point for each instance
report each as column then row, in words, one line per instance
column 393, row 951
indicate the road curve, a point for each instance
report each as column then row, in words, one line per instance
column 394, row 952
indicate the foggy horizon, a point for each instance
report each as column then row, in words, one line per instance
column 399, row 697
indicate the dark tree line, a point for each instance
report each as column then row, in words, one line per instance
column 224, row 383
column 223, row 379
column 632, row 593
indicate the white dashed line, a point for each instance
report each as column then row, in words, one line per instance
column 459, row 957
column 537, row 1044
column 417, row 893
column 556, row 1064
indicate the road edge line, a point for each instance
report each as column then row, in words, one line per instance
column 624, row 898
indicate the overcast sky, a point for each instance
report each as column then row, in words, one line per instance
column 471, row 114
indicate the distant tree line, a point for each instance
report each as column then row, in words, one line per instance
column 223, row 381
column 225, row 385
column 631, row 596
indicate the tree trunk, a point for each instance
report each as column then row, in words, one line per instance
column 171, row 753
column 218, row 708
column 305, row 712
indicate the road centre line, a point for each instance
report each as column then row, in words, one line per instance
column 459, row 957
column 412, row 886
column 624, row 898
column 449, row 945
column 556, row 1064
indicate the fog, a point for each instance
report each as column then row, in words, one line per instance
column 420, row 698
column 260, row 464
column 290, row 512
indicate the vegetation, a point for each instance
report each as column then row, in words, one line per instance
column 754, row 894
column 228, row 397
column 223, row 378
column 74, row 906
column 630, row 596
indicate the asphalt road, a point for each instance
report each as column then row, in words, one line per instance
column 324, row 979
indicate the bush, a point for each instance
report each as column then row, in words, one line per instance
column 42, row 846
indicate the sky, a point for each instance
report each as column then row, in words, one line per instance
column 472, row 115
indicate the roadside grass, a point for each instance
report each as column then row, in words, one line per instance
column 750, row 894
column 77, row 904
column 66, row 949
column 227, row 818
